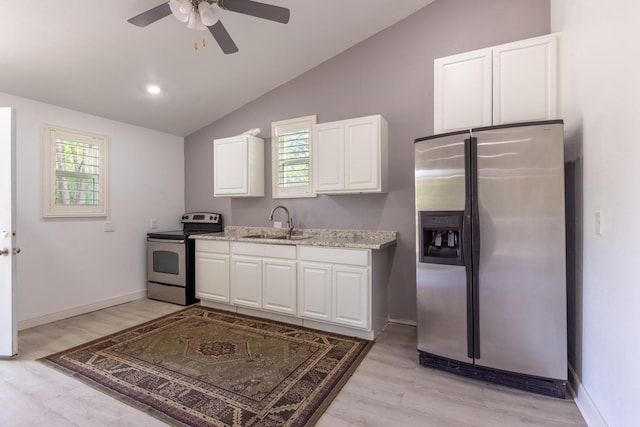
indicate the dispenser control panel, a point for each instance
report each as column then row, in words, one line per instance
column 440, row 237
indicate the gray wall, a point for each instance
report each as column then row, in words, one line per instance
column 390, row 74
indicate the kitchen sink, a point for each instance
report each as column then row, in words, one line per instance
column 264, row 236
column 296, row 237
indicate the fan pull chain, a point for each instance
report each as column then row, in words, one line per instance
column 195, row 44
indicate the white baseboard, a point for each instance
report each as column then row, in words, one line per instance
column 403, row 322
column 585, row 404
column 75, row 311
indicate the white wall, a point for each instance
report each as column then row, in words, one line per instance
column 600, row 60
column 71, row 266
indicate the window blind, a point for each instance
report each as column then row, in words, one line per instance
column 293, row 159
column 77, row 173
column 291, row 142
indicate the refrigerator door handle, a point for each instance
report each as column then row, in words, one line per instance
column 467, row 246
column 475, row 246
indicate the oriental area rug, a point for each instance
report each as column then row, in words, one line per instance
column 205, row 367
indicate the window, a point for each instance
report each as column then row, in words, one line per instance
column 291, row 157
column 74, row 173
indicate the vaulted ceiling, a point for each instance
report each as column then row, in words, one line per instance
column 85, row 56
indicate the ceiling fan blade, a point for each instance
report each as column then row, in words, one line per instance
column 219, row 32
column 259, row 10
column 151, row 15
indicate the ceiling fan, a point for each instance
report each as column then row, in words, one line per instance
column 203, row 15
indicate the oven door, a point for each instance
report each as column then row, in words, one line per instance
column 166, row 261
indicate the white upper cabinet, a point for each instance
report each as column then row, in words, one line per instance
column 525, row 80
column 509, row 83
column 328, row 157
column 238, row 166
column 462, row 91
column 350, row 156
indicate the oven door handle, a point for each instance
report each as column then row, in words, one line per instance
column 164, row 240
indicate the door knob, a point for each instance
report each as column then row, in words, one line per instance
column 4, row 252
column 16, row 251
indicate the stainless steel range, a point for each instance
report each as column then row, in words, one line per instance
column 171, row 258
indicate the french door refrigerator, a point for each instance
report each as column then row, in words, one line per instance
column 490, row 224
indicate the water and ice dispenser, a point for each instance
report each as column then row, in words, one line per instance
column 440, row 239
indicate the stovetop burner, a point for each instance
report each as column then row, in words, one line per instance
column 192, row 223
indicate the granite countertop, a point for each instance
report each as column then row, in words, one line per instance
column 362, row 239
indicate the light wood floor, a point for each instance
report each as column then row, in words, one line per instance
column 389, row 388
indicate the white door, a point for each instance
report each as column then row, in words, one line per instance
column 212, row 276
column 315, row 285
column 328, row 157
column 8, row 323
column 351, row 296
column 462, row 91
column 362, row 154
column 279, row 286
column 525, row 80
column 230, row 160
column 246, row 281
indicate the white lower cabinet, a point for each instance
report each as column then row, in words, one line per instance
column 315, row 290
column 264, row 277
column 350, row 289
column 279, row 286
column 334, row 290
column 212, row 270
column 339, row 290
column 246, row 280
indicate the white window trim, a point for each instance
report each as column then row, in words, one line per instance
column 276, row 129
column 50, row 134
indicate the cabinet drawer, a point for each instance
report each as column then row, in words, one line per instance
column 212, row 246
column 335, row 255
column 264, row 250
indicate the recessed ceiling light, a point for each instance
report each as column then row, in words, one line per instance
column 153, row 89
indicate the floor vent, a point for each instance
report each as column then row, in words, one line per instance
column 538, row 385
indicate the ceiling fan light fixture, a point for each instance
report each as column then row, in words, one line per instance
column 208, row 13
column 181, row 9
column 195, row 23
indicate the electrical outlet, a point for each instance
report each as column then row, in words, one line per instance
column 154, row 223
column 109, row 227
column 277, row 224
column 598, row 224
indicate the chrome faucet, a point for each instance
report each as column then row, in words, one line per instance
column 289, row 219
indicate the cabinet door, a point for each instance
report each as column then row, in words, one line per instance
column 362, row 154
column 328, row 157
column 351, row 302
column 246, row 281
column 230, row 170
column 279, row 286
column 462, row 91
column 315, row 288
column 212, row 276
column 525, row 80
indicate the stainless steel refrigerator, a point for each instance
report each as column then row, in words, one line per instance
column 491, row 287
